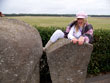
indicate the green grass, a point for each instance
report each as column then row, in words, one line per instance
column 46, row 21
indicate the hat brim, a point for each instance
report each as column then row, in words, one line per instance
column 80, row 17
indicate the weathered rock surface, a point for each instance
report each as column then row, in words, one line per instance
column 68, row 62
column 20, row 52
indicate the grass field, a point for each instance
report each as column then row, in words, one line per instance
column 45, row 21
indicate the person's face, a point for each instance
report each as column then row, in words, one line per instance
column 80, row 22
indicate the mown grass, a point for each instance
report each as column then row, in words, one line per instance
column 46, row 21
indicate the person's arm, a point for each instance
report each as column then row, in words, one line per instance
column 88, row 35
column 70, row 34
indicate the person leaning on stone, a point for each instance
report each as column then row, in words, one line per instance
column 79, row 31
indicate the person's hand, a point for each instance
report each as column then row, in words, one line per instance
column 81, row 40
column 74, row 40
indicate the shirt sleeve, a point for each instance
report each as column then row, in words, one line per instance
column 88, row 35
column 70, row 34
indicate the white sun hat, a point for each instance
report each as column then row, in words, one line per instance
column 81, row 14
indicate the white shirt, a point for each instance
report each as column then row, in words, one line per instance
column 73, row 34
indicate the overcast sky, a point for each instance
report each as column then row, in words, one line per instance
column 97, row 7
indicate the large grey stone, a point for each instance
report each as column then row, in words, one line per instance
column 99, row 79
column 68, row 62
column 20, row 52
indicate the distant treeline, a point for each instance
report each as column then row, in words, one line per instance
column 66, row 15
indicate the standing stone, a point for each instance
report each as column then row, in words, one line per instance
column 20, row 52
column 68, row 62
